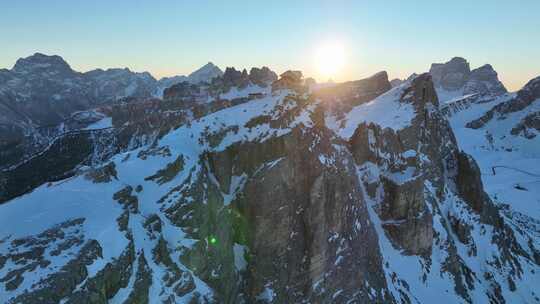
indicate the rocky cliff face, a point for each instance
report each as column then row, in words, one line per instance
column 455, row 78
column 451, row 75
column 355, row 194
column 484, row 81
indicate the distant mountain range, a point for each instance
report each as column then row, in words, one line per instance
column 44, row 90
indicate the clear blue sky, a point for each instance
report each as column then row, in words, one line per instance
column 175, row 37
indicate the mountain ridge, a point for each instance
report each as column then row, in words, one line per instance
column 283, row 197
column 232, row 191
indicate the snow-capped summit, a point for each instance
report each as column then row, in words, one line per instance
column 205, row 74
column 39, row 62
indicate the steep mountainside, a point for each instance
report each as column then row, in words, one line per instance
column 356, row 194
column 500, row 130
column 43, row 90
column 502, row 134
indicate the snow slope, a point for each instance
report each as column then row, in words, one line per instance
column 515, row 158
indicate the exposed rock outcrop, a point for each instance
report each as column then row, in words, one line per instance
column 527, row 126
column 484, row 81
column 262, row 77
column 455, row 78
column 292, row 80
column 524, row 97
column 451, row 75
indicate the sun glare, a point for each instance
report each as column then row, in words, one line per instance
column 329, row 59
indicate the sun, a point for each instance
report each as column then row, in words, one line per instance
column 329, row 59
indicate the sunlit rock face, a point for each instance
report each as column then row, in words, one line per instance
column 340, row 98
column 357, row 193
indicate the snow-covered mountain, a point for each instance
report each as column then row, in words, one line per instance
column 41, row 93
column 115, row 84
column 500, row 130
column 235, row 191
column 44, row 90
column 205, row 74
column 501, row 133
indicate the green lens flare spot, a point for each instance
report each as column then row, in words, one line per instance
column 212, row 240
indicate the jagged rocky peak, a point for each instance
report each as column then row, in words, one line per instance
column 289, row 80
column 235, row 78
column 205, row 74
column 484, row 80
column 455, row 78
column 421, row 91
column 39, row 63
column 262, row 76
column 484, row 73
column 451, row 75
column 531, row 90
